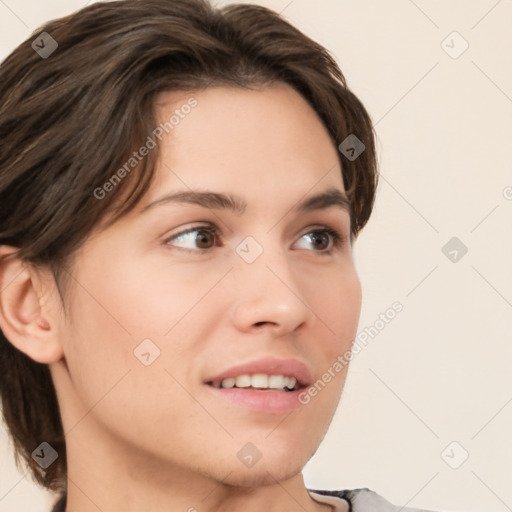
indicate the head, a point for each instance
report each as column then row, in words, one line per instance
column 142, row 100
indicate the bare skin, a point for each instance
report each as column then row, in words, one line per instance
column 157, row 437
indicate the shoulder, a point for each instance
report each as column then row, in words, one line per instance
column 366, row 500
column 360, row 500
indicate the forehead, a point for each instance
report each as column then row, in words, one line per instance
column 244, row 139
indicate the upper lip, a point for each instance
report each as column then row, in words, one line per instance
column 268, row 366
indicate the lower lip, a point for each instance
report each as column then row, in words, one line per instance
column 266, row 401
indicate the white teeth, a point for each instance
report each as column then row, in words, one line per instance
column 291, row 382
column 277, row 381
column 243, row 381
column 228, row 383
column 258, row 380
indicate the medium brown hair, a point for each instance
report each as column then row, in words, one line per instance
column 68, row 122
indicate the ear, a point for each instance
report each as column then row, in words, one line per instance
column 28, row 306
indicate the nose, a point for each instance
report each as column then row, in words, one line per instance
column 270, row 296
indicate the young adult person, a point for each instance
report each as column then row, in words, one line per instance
column 180, row 190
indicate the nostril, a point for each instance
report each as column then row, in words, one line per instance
column 264, row 322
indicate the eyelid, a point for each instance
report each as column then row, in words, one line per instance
column 201, row 227
column 209, row 227
column 339, row 237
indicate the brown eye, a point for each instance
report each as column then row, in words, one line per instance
column 205, row 239
column 320, row 240
column 323, row 241
column 202, row 237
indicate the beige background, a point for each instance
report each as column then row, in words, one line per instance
column 440, row 371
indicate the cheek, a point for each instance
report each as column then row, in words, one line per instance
column 336, row 301
column 348, row 310
column 337, row 306
column 110, row 319
column 115, row 310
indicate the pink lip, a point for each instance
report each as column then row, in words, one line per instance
column 265, row 400
column 261, row 401
column 269, row 366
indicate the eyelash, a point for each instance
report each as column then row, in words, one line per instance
column 338, row 239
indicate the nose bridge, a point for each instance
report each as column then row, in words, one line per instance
column 269, row 292
column 265, row 265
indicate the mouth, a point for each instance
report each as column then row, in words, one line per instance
column 266, row 385
column 258, row 381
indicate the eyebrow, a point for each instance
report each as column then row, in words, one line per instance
column 219, row 201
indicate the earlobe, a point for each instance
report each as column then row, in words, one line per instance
column 25, row 315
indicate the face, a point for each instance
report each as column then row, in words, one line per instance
column 242, row 277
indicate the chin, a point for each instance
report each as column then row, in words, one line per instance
column 253, row 477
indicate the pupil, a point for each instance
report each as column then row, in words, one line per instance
column 202, row 239
column 321, row 239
